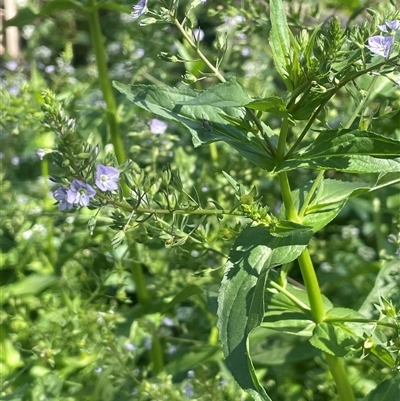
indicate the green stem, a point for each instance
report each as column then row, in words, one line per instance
column 329, row 96
column 268, row 146
column 157, row 356
column 362, row 103
column 315, row 296
column 312, row 286
column 293, row 298
column 291, row 212
column 341, row 379
column 280, row 153
column 105, row 85
column 311, row 193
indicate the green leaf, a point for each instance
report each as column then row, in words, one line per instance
column 343, row 313
column 225, row 94
column 386, row 285
column 168, row 103
column 326, row 203
column 388, row 390
column 334, row 339
column 183, row 295
column 241, row 297
column 270, row 104
column 24, row 17
column 284, row 228
column 195, row 356
column 267, row 350
column 57, row 6
column 19, row 395
column 289, row 322
column 31, row 285
column 279, row 39
column 350, row 151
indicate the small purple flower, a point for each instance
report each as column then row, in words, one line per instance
column 98, row 370
column 139, row 9
column 157, row 126
column 172, row 349
column 198, row 34
column 167, row 321
column 130, row 347
column 80, row 193
column 188, row 389
column 107, row 178
column 15, row 161
column 380, row 45
column 147, row 342
column 41, row 153
column 393, row 26
column 60, row 195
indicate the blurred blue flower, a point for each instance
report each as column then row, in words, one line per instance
column 393, row 26
column 130, row 347
column 167, row 321
column 147, row 342
column 172, row 349
column 188, row 390
column 60, row 195
column 80, row 193
column 98, row 370
column 41, row 153
column 107, row 178
column 191, row 374
column 139, row 9
column 380, row 45
column 157, row 126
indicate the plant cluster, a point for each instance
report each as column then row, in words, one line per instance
column 287, row 162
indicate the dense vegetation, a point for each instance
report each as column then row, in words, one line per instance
column 201, row 198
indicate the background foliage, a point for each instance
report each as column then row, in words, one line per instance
column 71, row 324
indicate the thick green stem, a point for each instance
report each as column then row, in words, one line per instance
column 340, row 376
column 312, row 286
column 314, row 295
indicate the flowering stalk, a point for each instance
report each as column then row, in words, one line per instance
column 105, row 85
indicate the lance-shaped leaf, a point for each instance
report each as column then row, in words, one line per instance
column 241, row 296
column 279, row 40
column 327, row 201
column 350, row 151
column 205, row 123
column 225, row 94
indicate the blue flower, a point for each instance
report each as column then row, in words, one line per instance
column 139, row 9
column 157, row 126
column 107, row 178
column 188, row 389
column 393, row 26
column 60, row 195
column 380, row 45
column 80, row 193
column 41, row 153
